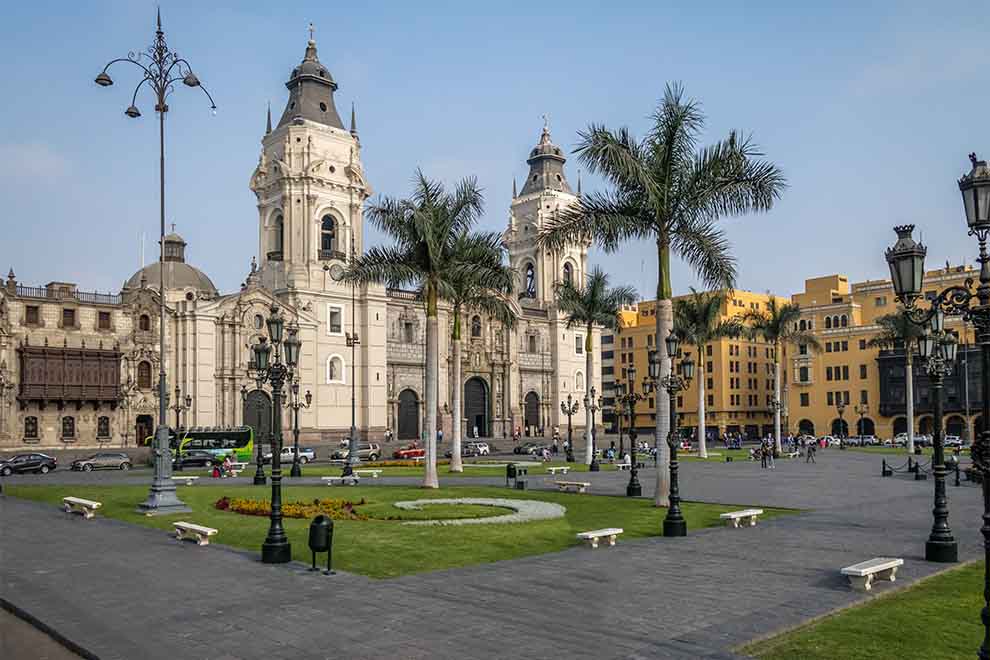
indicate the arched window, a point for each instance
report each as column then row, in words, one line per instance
column 328, row 234
column 103, row 427
column 530, row 281
column 335, row 369
column 30, row 428
column 278, row 234
column 845, row 320
column 802, row 325
column 144, row 375
column 568, row 273
column 144, row 323
column 835, row 321
column 828, row 322
column 476, row 326
column 68, row 427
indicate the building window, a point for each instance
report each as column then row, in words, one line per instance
column 578, row 345
column 708, row 350
column 711, row 400
column 532, row 344
column 30, row 428
column 845, row 372
column 881, row 301
column 68, row 318
column 805, row 400
column 802, row 325
column 408, row 332
column 862, row 371
column 802, row 349
column 278, row 235
column 103, row 427
column 144, row 323
column 828, row 347
column 830, row 398
column 864, row 397
column 568, row 274
column 530, row 291
column 828, row 373
column 579, row 381
column 828, row 322
column 710, row 384
column 845, row 320
column 103, row 321
column 803, row 374
column 328, row 235
column 710, row 367
column 476, row 327
column 335, row 369
column 845, row 345
column 68, row 427
column 32, row 315
column 335, row 320
column 144, row 375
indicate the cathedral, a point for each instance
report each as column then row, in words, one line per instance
column 79, row 369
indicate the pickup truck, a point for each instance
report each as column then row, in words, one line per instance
column 306, row 454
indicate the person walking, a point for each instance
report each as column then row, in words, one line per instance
column 771, row 449
column 809, row 452
column 763, row 454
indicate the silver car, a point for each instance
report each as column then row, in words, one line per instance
column 102, row 461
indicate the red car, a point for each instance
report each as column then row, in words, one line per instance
column 410, row 451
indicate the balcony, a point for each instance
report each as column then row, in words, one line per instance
column 65, row 294
column 332, row 255
column 274, row 255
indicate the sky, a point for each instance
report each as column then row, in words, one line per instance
column 869, row 108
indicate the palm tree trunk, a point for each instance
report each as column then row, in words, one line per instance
column 432, row 351
column 776, row 396
column 455, row 432
column 702, row 440
column 909, row 374
column 589, row 365
column 665, row 321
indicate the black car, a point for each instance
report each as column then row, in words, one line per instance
column 21, row 463
column 195, row 458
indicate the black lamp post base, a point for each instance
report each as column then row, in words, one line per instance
column 570, row 456
column 260, row 480
column 634, row 489
column 276, row 553
column 296, row 471
column 594, row 467
column 943, row 552
column 674, row 527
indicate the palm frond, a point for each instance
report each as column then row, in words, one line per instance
column 609, row 219
column 705, row 248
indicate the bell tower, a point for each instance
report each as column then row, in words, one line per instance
column 309, row 183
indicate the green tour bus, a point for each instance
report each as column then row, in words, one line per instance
column 220, row 441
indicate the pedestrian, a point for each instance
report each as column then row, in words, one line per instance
column 763, row 454
column 556, row 442
column 771, row 449
column 475, row 431
column 810, row 452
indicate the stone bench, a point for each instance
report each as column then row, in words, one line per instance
column 198, row 533
column 592, row 537
column 78, row 505
column 374, row 474
column 623, row 466
column 353, row 480
column 190, row 480
column 732, row 518
column 562, row 469
column 792, row 454
column 240, row 467
column 577, row 486
column 861, row 575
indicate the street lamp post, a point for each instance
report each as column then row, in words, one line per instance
column 259, row 474
column 569, row 408
column 775, row 406
column 593, row 404
column 861, row 410
column 180, row 406
column 294, row 403
column 337, row 274
column 840, row 408
column 161, row 68
column 271, row 368
column 678, row 380
column 628, row 399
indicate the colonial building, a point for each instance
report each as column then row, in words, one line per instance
column 81, row 368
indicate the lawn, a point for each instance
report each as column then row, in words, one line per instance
column 387, row 548
column 482, row 470
column 938, row 618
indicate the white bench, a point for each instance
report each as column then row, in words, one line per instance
column 198, row 533
column 233, row 472
column 861, row 575
column 562, row 469
column 240, row 467
column 732, row 518
column 342, row 481
column 374, row 474
column 190, row 480
column 623, row 466
column 793, row 454
column 593, row 537
column 578, row 486
column 78, row 505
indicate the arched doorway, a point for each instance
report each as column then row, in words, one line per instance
column 257, row 413
column 955, row 425
column 865, row 426
column 144, row 429
column 476, row 406
column 806, row 427
column 900, row 425
column 532, row 413
column 925, row 425
column 840, row 428
column 978, row 425
column 408, row 422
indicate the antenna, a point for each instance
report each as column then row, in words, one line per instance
column 311, row 30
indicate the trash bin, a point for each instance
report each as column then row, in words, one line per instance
column 520, row 484
column 510, row 473
column 321, row 538
column 917, row 450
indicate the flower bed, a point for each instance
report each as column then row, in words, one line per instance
column 400, row 463
column 335, row 509
column 525, row 510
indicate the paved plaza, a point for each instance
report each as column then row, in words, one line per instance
column 121, row 591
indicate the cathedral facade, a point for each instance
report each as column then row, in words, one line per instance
column 80, row 369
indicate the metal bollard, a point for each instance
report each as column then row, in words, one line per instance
column 886, row 471
column 912, row 467
column 957, row 473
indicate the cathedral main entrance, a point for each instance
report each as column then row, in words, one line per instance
column 144, row 429
column 408, row 422
column 532, row 417
column 476, row 407
column 257, row 413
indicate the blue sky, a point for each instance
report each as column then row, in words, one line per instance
column 870, row 108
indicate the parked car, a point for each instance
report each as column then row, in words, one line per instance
column 195, row 458
column 467, row 450
column 306, row 454
column 524, row 448
column 482, row 448
column 102, row 461
column 922, row 441
column 366, row 451
column 22, row 463
column 830, row 440
column 410, row 451
column 862, row 440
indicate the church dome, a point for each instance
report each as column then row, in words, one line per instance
column 311, row 88
column 178, row 274
column 546, row 167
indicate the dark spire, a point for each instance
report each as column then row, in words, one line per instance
column 353, row 121
column 268, row 126
column 514, row 193
column 579, row 183
column 311, row 89
column 159, row 18
column 546, row 165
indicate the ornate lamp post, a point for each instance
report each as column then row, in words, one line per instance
column 337, row 275
column 840, row 408
column 126, row 394
column 861, row 410
column 161, row 69
column 259, row 474
column 569, row 408
column 180, row 406
column 295, row 404
column 628, row 399
column 678, row 380
column 593, row 404
column 271, row 368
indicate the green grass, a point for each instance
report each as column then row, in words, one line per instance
column 925, row 451
column 938, row 618
column 324, row 470
column 383, row 549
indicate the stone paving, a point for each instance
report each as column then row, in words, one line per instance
column 120, row 591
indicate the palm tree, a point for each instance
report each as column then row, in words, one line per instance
column 698, row 320
column 434, row 247
column 897, row 330
column 593, row 304
column 488, row 298
column 667, row 190
column 778, row 325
